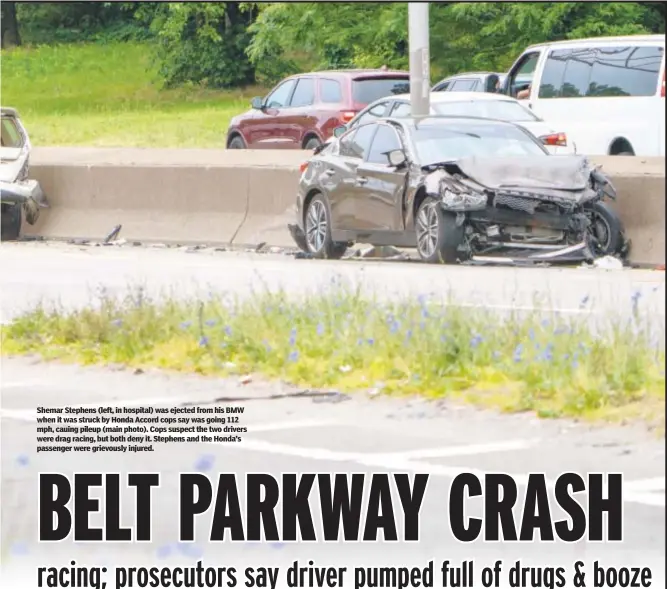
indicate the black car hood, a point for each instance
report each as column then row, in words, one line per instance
column 567, row 173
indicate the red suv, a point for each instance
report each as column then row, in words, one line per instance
column 302, row 111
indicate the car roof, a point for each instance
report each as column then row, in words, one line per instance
column 457, row 97
column 357, row 73
column 659, row 39
column 470, row 74
column 443, row 120
column 9, row 112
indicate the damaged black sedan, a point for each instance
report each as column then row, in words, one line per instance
column 457, row 189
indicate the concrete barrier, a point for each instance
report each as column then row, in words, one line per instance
column 247, row 197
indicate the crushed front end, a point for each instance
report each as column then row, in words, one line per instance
column 521, row 209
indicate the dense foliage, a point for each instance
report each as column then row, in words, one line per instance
column 232, row 44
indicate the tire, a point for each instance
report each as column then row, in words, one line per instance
column 606, row 227
column 317, row 228
column 438, row 236
column 626, row 153
column 237, row 143
column 12, row 216
column 312, row 143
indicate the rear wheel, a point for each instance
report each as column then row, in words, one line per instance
column 438, row 236
column 12, row 215
column 318, row 231
column 237, row 143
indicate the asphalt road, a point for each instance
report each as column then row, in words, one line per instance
column 320, row 434
column 72, row 275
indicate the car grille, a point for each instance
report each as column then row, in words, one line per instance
column 518, row 203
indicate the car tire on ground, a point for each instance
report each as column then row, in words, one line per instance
column 312, row 143
column 317, row 228
column 237, row 143
column 438, row 236
column 12, row 216
column 606, row 227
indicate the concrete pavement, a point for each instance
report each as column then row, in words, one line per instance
column 33, row 272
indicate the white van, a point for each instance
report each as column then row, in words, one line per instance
column 607, row 94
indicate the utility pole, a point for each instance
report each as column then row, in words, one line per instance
column 420, row 61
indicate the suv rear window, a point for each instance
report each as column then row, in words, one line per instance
column 368, row 90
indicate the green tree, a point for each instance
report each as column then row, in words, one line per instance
column 204, row 43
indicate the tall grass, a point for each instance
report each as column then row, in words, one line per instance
column 109, row 95
column 342, row 339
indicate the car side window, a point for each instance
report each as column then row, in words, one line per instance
column 441, row 87
column 466, row 85
column 401, row 109
column 521, row 77
column 330, row 91
column 576, row 78
column 279, row 97
column 551, row 81
column 373, row 113
column 304, row 94
column 625, row 71
column 385, row 140
column 358, row 143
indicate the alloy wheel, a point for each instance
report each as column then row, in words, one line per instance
column 316, row 226
column 427, row 230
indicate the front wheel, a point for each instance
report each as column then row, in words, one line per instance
column 312, row 143
column 438, row 235
column 606, row 228
column 318, row 231
column 12, row 216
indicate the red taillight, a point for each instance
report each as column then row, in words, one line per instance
column 555, row 139
column 303, row 167
column 662, row 89
column 347, row 115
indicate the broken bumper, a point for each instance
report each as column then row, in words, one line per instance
column 27, row 193
column 516, row 253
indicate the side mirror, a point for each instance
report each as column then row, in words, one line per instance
column 397, row 158
column 338, row 131
column 257, row 103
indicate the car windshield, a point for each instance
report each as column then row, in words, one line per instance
column 502, row 110
column 451, row 142
column 369, row 90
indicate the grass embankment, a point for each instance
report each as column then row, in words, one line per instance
column 108, row 96
column 341, row 340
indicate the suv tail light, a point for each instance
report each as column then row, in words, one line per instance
column 662, row 88
column 555, row 139
column 347, row 115
column 303, row 167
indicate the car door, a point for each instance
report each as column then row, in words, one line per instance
column 269, row 128
column 340, row 176
column 299, row 114
column 379, row 198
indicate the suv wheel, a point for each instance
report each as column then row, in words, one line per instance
column 237, row 143
column 312, row 143
column 12, row 215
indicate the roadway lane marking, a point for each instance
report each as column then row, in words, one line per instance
column 647, row 485
column 395, row 462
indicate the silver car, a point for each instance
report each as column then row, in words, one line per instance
column 21, row 197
